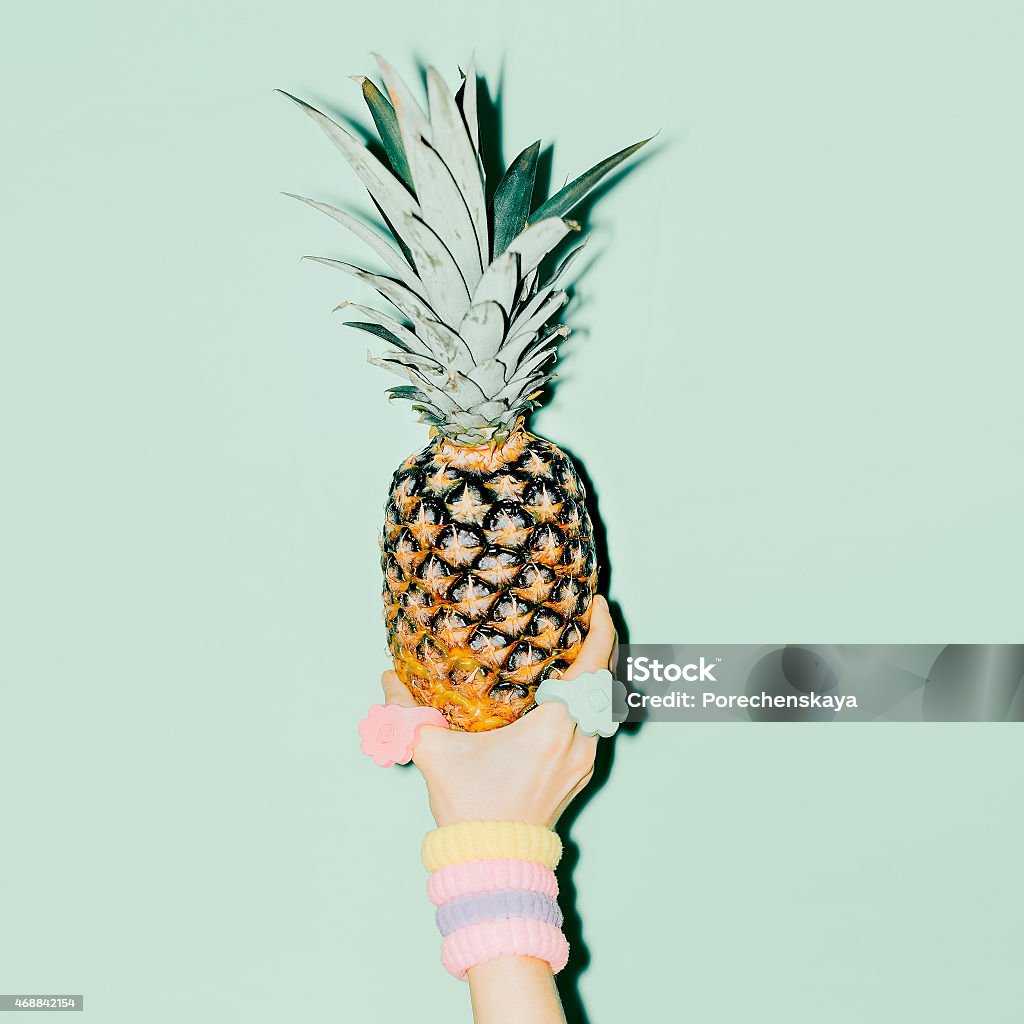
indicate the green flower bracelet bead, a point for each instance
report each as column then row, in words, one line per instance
column 589, row 699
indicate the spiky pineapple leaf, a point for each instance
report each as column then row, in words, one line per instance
column 407, row 107
column 440, row 274
column 409, row 391
column 379, row 332
column 384, row 118
column 429, row 415
column 513, row 196
column 566, row 198
column 466, row 98
column 483, row 327
column 423, row 364
column 444, row 341
column 534, row 316
column 455, row 146
column 469, row 380
column 364, row 232
column 539, row 239
column 391, row 197
column 445, row 210
column 412, row 121
column 411, row 341
column 500, row 282
column 565, row 265
column 528, row 285
column 404, row 300
column 396, row 235
column 501, row 279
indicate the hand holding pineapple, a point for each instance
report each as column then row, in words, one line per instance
column 529, row 771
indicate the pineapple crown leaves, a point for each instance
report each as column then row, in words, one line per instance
column 474, row 334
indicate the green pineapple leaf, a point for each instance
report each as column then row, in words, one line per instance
column 565, row 199
column 409, row 391
column 454, row 146
column 394, row 201
column 513, row 196
column 428, row 415
column 375, row 241
column 385, row 119
column 380, row 332
column 411, row 341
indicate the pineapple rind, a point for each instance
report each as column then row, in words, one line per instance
column 489, row 573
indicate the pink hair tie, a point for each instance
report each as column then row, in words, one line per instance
column 517, row 936
column 470, row 877
column 390, row 731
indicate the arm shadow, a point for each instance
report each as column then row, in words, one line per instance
column 568, row 980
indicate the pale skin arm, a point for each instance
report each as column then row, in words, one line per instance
column 528, row 771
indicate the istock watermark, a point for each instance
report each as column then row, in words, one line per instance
column 641, row 669
column 821, row 683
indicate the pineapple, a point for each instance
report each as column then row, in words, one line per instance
column 487, row 547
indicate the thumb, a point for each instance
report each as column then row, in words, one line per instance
column 395, row 691
column 597, row 648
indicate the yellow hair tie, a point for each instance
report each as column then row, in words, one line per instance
column 490, row 840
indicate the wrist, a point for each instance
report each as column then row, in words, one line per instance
column 507, row 969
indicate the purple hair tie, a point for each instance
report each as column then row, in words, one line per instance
column 503, row 903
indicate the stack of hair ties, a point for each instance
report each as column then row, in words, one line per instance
column 494, row 887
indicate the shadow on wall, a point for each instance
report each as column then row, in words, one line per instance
column 579, row 956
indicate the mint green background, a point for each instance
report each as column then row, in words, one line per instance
column 797, row 360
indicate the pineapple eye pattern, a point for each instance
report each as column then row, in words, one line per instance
column 406, row 489
column 525, row 662
column 490, row 645
column 437, row 576
column 471, row 596
column 554, row 669
column 508, row 525
column 534, row 583
column 570, row 636
column 460, row 545
column 512, row 615
column 537, row 463
column 393, row 574
column 489, row 572
column 467, row 503
column 546, row 544
column 440, row 480
column 452, row 628
column 418, row 606
column 546, row 629
column 544, row 501
column 498, row 565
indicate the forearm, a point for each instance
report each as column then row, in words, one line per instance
column 514, row 989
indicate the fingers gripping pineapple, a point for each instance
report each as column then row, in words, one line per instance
column 487, row 547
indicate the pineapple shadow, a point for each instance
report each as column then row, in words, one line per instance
column 568, row 980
